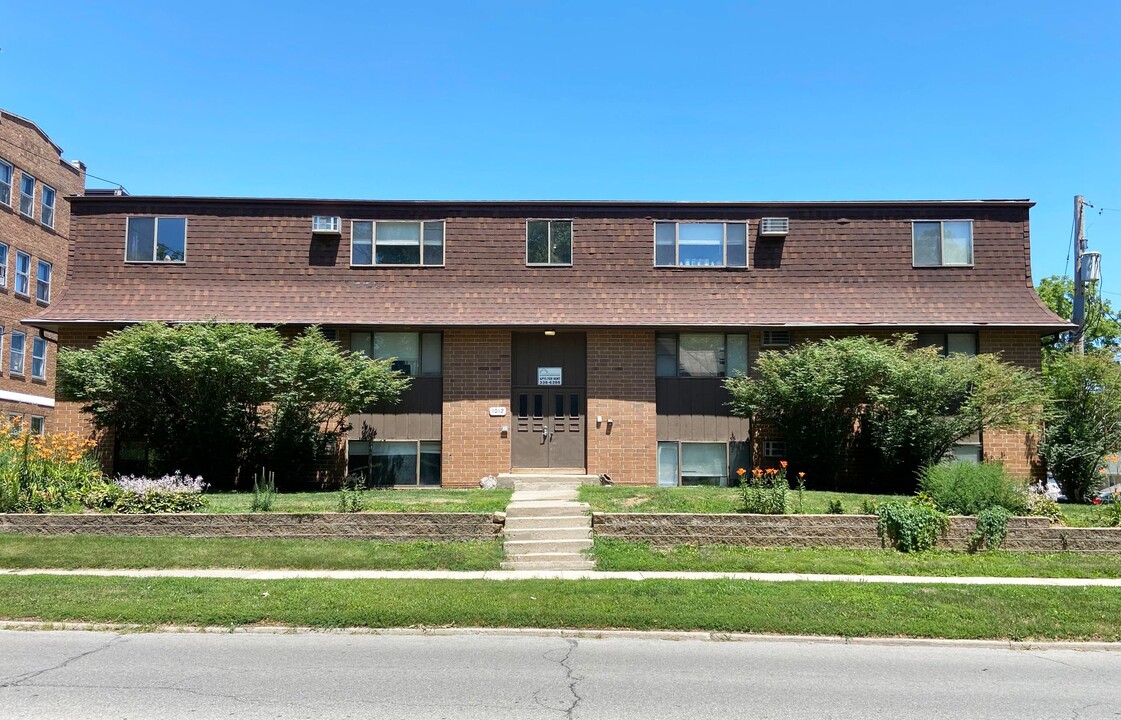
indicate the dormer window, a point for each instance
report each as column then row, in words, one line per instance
column 700, row 244
column 942, row 243
column 396, row 242
column 156, row 240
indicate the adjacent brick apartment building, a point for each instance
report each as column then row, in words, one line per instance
column 35, row 189
column 579, row 337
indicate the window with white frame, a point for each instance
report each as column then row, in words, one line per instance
column 27, row 195
column 43, row 282
column 39, row 358
column 16, row 350
column 6, row 172
column 156, row 239
column 46, row 202
column 396, row 242
column 414, row 354
column 3, row 265
column 548, row 242
column 23, row 273
column 700, row 354
column 949, row 343
column 384, row 463
column 700, row 244
column 38, row 425
column 700, row 463
column 940, row 243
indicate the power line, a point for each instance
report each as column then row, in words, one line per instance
column 59, row 159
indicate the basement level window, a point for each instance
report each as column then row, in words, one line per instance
column 701, row 463
column 395, row 463
column 156, row 239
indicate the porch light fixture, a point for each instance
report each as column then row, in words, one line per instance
column 550, row 333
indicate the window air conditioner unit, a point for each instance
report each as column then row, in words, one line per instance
column 774, row 226
column 326, row 224
column 776, row 338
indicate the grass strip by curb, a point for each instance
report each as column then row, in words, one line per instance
column 846, row 609
column 93, row 551
column 619, row 555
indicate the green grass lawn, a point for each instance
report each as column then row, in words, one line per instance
column 848, row 609
column 619, row 499
column 434, row 500
column 89, row 551
column 620, row 555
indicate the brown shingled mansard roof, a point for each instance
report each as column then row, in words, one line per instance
column 843, row 264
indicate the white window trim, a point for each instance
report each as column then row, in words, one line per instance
column 727, row 458
column 156, row 240
column 942, row 245
column 571, row 241
column 35, row 341
column 723, row 246
column 15, row 285
column 22, row 356
column 7, row 202
column 4, row 265
column 374, row 244
column 42, row 424
column 34, row 182
column 50, row 276
column 43, row 204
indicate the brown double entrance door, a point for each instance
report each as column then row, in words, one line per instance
column 548, row 401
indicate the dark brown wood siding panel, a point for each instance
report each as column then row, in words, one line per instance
column 415, row 417
column 696, row 409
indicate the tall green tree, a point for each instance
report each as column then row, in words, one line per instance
column 1083, row 419
column 220, row 399
column 1103, row 325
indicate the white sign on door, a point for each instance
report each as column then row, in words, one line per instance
column 549, row 376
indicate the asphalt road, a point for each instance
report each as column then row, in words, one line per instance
column 77, row 675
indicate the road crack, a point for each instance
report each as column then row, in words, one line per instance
column 571, row 679
column 20, row 679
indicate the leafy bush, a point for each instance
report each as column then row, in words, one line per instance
column 132, row 494
column 835, row 397
column 1083, row 419
column 910, row 526
column 868, row 506
column 1109, row 514
column 1039, row 505
column 764, row 491
column 835, row 507
column 219, row 398
column 965, row 488
column 992, row 526
column 350, row 495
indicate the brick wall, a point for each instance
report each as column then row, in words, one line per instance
column 68, row 415
column 320, row 526
column 1027, row 534
column 32, row 154
column 476, row 377
column 1018, row 450
column 621, row 388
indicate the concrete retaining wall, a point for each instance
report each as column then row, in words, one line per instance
column 319, row 526
column 1028, row 534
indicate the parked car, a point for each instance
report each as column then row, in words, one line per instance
column 1108, row 495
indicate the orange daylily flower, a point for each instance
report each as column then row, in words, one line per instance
column 782, row 463
column 801, row 475
column 741, row 472
column 757, row 472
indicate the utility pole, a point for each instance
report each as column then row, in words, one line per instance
column 1079, row 318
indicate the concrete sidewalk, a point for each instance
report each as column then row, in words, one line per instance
column 565, row 575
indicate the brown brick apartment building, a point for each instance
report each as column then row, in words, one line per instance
column 575, row 336
column 35, row 189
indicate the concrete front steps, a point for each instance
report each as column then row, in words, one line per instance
column 546, row 528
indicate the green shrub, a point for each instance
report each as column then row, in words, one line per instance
column 910, row 526
column 835, row 507
column 763, row 491
column 868, row 506
column 992, row 526
column 965, row 488
column 1040, row 505
column 264, row 491
column 350, row 495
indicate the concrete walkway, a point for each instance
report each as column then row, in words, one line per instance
column 566, row 575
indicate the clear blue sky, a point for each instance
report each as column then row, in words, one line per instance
column 597, row 100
